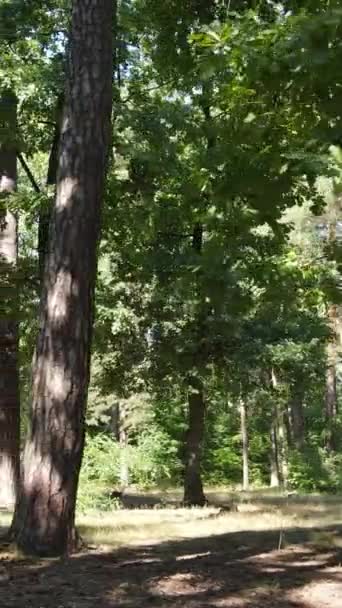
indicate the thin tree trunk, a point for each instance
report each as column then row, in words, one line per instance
column 288, row 427
column 283, row 450
column 121, row 436
column 277, row 440
column 245, row 446
column 297, row 415
column 9, row 374
column 274, row 457
column 193, row 487
column 124, row 466
column 45, row 512
column 331, row 402
column 115, row 422
column 331, row 408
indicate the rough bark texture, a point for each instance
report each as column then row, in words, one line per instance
column 45, row 211
column 9, row 376
column 44, row 516
column 245, row 446
column 193, row 487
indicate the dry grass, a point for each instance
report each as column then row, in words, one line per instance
column 126, row 527
column 256, row 512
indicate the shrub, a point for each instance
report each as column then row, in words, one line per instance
column 315, row 470
column 153, row 461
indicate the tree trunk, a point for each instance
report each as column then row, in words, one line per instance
column 193, row 487
column 45, row 512
column 277, row 439
column 274, row 457
column 245, row 446
column 9, row 374
column 331, row 408
column 297, row 415
column 114, row 426
column 45, row 211
column 124, row 466
column 283, row 450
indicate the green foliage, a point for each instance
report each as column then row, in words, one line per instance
column 224, row 120
column 155, row 459
column 99, row 474
column 314, row 470
column 152, row 462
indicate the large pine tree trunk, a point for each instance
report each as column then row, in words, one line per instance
column 45, row 513
column 9, row 375
column 193, row 487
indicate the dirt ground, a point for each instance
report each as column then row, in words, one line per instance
column 234, row 569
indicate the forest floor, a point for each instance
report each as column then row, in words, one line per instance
column 272, row 552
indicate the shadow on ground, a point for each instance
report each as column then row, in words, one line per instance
column 216, row 499
column 235, row 570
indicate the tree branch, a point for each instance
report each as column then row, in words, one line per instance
column 29, row 173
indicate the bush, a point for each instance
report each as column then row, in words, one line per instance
column 152, row 462
column 155, row 459
column 315, row 470
column 100, row 471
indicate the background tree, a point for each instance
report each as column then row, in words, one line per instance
column 9, row 365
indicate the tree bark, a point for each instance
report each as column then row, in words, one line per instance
column 297, row 415
column 45, row 211
column 278, row 439
column 124, row 466
column 45, row 512
column 193, row 487
column 245, row 446
column 331, row 401
column 9, row 374
column 283, row 450
column 274, row 457
column 331, row 407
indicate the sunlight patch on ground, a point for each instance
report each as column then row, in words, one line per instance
column 181, row 584
column 322, row 594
